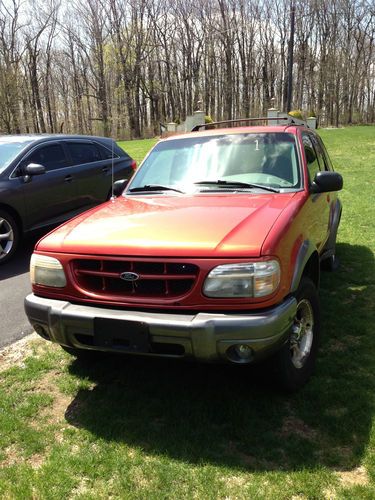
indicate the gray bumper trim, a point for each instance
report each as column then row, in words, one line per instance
column 204, row 336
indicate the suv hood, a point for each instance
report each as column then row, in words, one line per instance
column 204, row 225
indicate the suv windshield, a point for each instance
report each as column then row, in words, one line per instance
column 221, row 162
column 8, row 151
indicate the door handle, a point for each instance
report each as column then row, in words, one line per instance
column 68, row 178
column 105, row 170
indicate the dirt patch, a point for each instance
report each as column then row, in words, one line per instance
column 248, row 460
column 12, row 456
column 15, row 354
column 329, row 494
column 337, row 346
column 235, row 481
column 55, row 412
column 356, row 477
column 295, row 426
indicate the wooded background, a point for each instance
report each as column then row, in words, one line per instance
column 119, row 67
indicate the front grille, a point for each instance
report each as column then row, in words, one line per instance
column 155, row 279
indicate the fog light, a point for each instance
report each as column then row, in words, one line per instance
column 243, row 351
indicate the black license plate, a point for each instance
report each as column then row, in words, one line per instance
column 128, row 336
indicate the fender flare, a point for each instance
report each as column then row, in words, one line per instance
column 306, row 250
column 329, row 247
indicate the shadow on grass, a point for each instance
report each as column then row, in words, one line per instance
column 233, row 416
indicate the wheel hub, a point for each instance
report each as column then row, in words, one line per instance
column 302, row 333
column 6, row 238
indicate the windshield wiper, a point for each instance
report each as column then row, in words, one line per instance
column 221, row 182
column 153, row 187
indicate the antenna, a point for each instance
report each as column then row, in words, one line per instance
column 113, row 169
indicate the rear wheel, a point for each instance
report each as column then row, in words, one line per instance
column 296, row 359
column 9, row 236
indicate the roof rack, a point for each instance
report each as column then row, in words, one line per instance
column 289, row 119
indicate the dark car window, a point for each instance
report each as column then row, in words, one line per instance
column 52, row 157
column 8, row 152
column 106, row 153
column 311, row 158
column 81, row 152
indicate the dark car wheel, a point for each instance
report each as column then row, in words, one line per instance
column 9, row 236
column 296, row 360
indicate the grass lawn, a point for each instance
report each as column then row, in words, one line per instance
column 134, row 428
column 138, row 148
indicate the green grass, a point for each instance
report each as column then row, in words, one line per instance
column 137, row 149
column 134, row 428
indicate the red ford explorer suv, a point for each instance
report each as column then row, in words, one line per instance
column 211, row 252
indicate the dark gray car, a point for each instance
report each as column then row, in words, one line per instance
column 47, row 179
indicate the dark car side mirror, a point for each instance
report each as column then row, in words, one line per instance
column 119, row 186
column 326, row 182
column 32, row 169
column 35, row 169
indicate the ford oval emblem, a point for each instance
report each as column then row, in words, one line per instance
column 129, row 276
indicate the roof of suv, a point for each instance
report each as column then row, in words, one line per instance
column 264, row 129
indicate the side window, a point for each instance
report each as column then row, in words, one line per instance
column 106, row 153
column 52, row 157
column 319, row 152
column 311, row 158
column 82, row 152
column 326, row 155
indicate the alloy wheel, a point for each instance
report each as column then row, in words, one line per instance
column 302, row 333
column 6, row 238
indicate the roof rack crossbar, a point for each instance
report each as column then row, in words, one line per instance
column 289, row 119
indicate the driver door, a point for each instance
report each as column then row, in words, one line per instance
column 49, row 196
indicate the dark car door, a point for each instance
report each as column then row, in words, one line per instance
column 49, row 197
column 93, row 163
column 92, row 172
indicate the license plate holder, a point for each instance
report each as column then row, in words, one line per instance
column 122, row 335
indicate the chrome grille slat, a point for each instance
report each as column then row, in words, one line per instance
column 157, row 278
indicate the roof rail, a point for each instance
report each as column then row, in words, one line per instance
column 291, row 120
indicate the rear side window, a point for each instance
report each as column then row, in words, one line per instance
column 81, row 152
column 327, row 159
column 320, row 154
column 51, row 157
column 106, row 153
column 311, row 158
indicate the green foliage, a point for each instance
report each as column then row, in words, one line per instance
column 208, row 119
column 141, row 428
column 296, row 113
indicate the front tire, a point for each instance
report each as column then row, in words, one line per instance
column 9, row 236
column 295, row 361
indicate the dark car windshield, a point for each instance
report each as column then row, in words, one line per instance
column 222, row 162
column 8, row 151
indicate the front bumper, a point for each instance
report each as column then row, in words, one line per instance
column 203, row 336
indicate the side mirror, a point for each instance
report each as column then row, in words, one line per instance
column 326, row 182
column 34, row 169
column 119, row 186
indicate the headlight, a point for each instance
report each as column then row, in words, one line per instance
column 251, row 279
column 46, row 271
